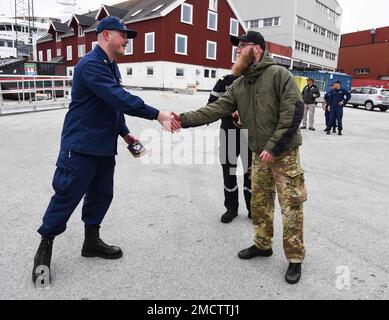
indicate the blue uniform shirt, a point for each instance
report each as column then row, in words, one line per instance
column 333, row 97
column 96, row 113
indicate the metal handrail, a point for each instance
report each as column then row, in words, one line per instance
column 30, row 86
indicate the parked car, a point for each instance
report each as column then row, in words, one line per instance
column 370, row 97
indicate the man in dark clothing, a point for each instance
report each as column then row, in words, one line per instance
column 326, row 108
column 310, row 94
column 230, row 150
column 338, row 98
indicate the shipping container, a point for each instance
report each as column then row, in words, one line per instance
column 323, row 79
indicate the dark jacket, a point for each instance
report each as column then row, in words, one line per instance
column 99, row 102
column 269, row 103
column 219, row 89
column 308, row 94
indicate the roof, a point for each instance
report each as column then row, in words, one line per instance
column 47, row 37
column 6, row 62
column 84, row 20
column 129, row 11
column 59, row 26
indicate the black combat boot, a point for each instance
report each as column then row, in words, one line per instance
column 328, row 131
column 253, row 252
column 95, row 247
column 42, row 262
column 229, row 215
column 293, row 274
column 340, row 133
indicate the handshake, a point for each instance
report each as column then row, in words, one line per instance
column 170, row 121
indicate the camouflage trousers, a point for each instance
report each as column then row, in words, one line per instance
column 286, row 176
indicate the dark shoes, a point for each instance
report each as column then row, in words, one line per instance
column 253, row 252
column 229, row 216
column 334, row 130
column 303, row 127
column 328, row 132
column 293, row 274
column 312, row 129
column 340, row 133
column 41, row 275
column 95, row 247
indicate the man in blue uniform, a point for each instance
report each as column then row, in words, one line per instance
column 337, row 98
column 86, row 161
column 230, row 150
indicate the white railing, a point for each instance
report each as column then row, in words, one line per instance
column 33, row 91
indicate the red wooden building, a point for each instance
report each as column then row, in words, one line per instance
column 179, row 42
column 365, row 54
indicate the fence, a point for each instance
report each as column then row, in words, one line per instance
column 33, row 93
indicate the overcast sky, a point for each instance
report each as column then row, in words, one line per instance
column 357, row 14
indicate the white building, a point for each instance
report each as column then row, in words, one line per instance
column 310, row 27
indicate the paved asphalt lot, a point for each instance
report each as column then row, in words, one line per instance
column 166, row 219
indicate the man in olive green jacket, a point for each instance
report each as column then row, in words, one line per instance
column 271, row 109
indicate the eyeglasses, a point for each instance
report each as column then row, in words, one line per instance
column 242, row 45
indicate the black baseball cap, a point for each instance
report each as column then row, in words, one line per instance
column 250, row 36
column 114, row 23
column 338, row 82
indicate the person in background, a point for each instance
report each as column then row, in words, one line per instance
column 310, row 94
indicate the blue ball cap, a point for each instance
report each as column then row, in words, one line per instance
column 114, row 23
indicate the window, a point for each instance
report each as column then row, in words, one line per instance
column 362, row 71
column 373, row 91
column 206, row 73
column 80, row 32
column 69, row 53
column 180, row 72
column 181, row 44
column 70, row 72
column 129, row 71
column 365, row 91
column 57, row 37
column 81, row 50
column 356, row 91
column 48, row 54
column 277, row 21
column 212, row 21
column 150, row 42
column 40, row 55
column 129, row 47
column 234, row 27
column 268, row 22
column 213, row 74
column 94, row 44
column 150, row 71
column 211, row 50
column 233, row 59
column 58, row 52
column 187, row 13
column 213, row 5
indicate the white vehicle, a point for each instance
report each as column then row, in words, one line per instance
column 370, row 97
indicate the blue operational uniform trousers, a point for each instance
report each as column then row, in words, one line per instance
column 336, row 116
column 78, row 175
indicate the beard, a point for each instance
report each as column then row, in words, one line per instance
column 242, row 63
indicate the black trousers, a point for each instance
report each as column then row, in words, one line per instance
column 234, row 144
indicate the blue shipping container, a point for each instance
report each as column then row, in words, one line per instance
column 325, row 78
